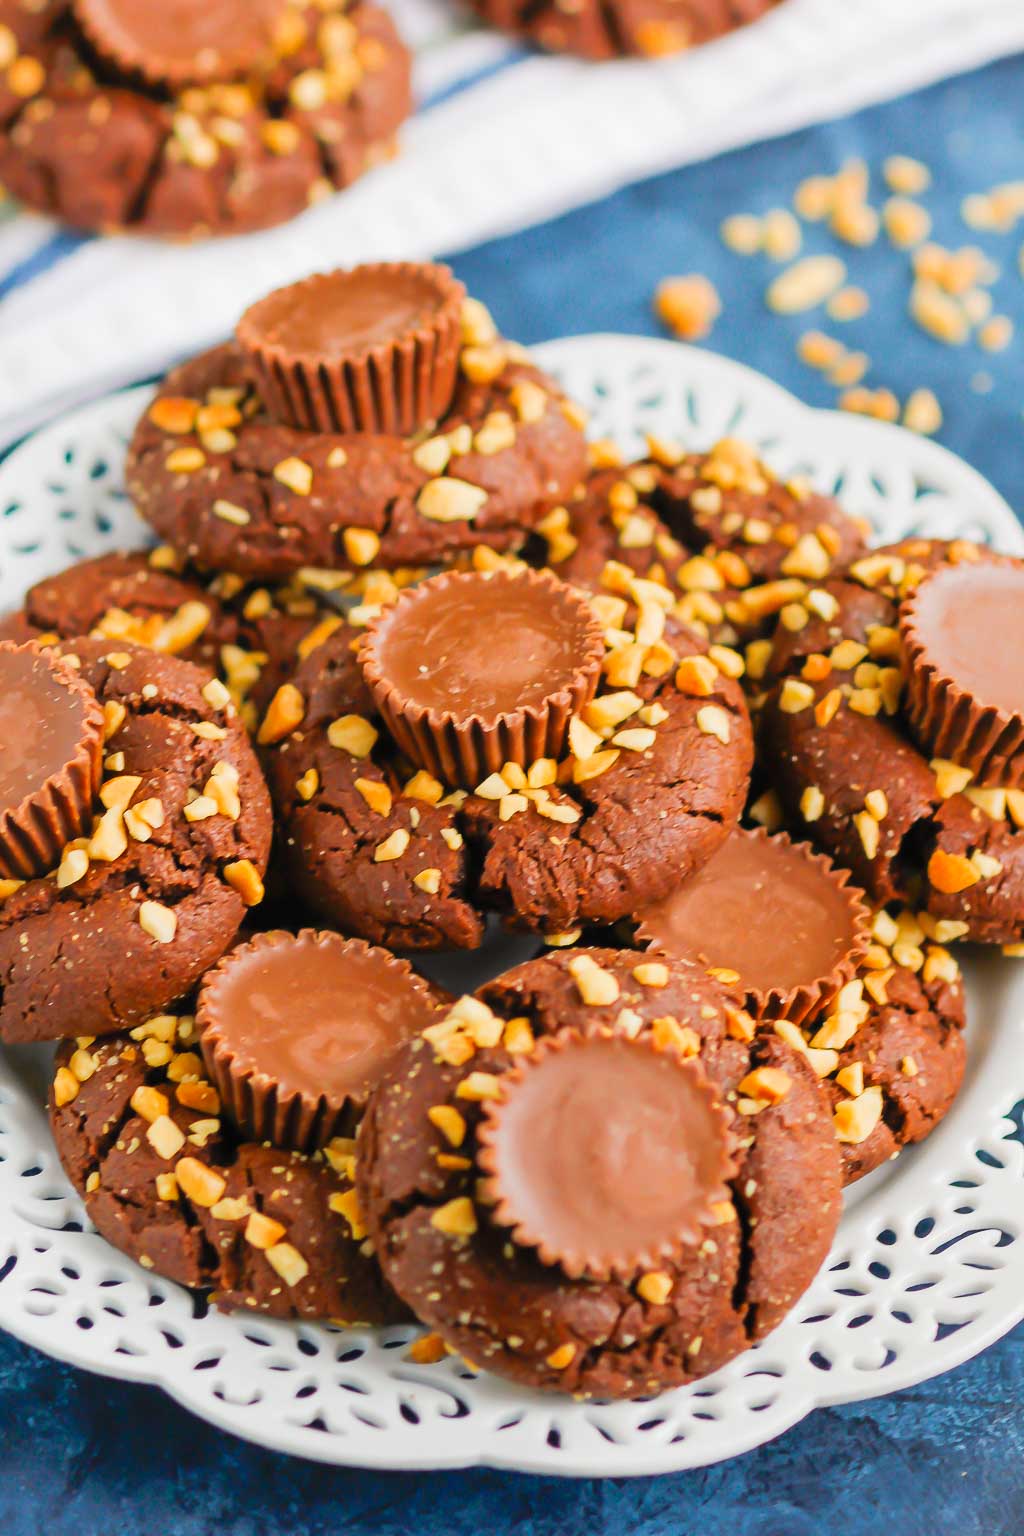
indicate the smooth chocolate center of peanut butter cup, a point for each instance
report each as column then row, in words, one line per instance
column 606, row 1151
column 41, row 724
column 191, row 36
column 761, row 907
column 970, row 621
column 318, row 1017
column 345, row 312
column 474, row 646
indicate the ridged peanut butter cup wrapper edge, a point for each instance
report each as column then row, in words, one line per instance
column 34, row 833
column 465, row 750
column 395, row 387
column 802, row 1002
column 261, row 1107
column 947, row 720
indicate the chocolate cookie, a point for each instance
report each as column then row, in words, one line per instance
column 851, row 778
column 235, row 488
column 653, row 780
column 729, row 499
column 650, row 1283
column 733, row 544
column 136, row 595
column 890, row 1047
column 167, row 1180
column 650, row 28
column 182, row 120
column 610, row 532
column 252, row 637
column 136, row 912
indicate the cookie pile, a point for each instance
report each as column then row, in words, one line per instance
column 744, row 778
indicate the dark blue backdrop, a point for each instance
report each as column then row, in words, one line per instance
column 93, row 1458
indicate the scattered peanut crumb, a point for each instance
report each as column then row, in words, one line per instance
column 688, row 305
column 922, row 412
column 848, row 304
column 907, row 176
column 806, row 284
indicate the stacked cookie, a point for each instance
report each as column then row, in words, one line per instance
column 468, row 671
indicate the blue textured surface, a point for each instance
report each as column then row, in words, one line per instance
column 596, row 269
column 95, row 1458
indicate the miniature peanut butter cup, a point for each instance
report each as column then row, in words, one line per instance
column 768, row 916
column 175, row 43
column 374, row 349
column 963, row 638
column 51, row 744
column 471, row 670
column 298, row 1028
column 605, row 1153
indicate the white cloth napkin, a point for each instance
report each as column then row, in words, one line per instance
column 504, row 138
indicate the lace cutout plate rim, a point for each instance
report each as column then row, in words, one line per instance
column 928, row 1265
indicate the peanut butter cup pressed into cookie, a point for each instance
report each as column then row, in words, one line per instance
column 851, row 775
column 473, row 670
column 597, row 1176
column 297, row 1029
column 396, row 428
column 963, row 637
column 651, row 779
column 374, row 349
column 768, row 916
column 51, row 727
column 138, row 907
column 650, row 1183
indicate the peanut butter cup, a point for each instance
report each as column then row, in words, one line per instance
column 473, row 670
column 768, row 916
column 298, row 1028
column 963, row 634
column 606, row 1154
column 183, row 42
column 51, row 731
column 374, row 349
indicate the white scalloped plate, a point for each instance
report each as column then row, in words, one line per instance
column 928, row 1265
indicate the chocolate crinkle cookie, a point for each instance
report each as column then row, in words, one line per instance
column 637, row 1243
column 650, row 28
column 731, row 541
column 168, row 1180
column 913, row 828
column 889, row 1048
column 138, row 907
column 253, row 637
column 649, row 780
column 185, row 120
